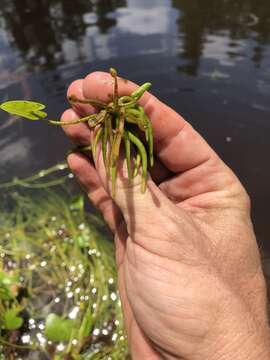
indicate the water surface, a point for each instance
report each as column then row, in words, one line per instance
column 209, row 59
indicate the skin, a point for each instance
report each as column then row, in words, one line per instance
column 190, row 275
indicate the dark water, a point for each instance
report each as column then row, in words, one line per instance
column 209, row 59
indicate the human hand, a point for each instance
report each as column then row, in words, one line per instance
column 189, row 271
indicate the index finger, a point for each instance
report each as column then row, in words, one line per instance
column 172, row 134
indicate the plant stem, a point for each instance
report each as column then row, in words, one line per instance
column 105, row 141
column 127, row 149
column 96, row 141
column 96, row 103
column 116, row 149
column 137, row 163
column 71, row 122
column 127, row 101
column 143, row 154
column 150, row 140
column 113, row 73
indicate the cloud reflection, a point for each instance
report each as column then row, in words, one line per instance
column 144, row 21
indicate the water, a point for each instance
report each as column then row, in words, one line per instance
column 209, row 59
column 57, row 262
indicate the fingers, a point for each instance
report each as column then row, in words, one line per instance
column 79, row 133
column 85, row 171
column 76, row 88
column 86, row 174
column 205, row 178
column 88, row 178
column 172, row 134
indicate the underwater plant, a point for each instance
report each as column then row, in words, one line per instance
column 58, row 284
column 44, row 179
column 123, row 120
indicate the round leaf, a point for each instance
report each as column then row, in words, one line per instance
column 27, row 109
column 57, row 329
column 11, row 320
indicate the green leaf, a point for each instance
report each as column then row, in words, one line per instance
column 77, row 203
column 82, row 241
column 27, row 109
column 57, row 329
column 7, row 279
column 11, row 320
column 7, row 285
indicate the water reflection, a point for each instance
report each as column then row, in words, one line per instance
column 220, row 26
column 52, row 32
column 42, row 30
column 209, row 59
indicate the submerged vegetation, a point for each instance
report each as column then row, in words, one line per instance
column 44, row 179
column 58, row 286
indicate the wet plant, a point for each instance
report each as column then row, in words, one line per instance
column 58, row 285
column 121, row 121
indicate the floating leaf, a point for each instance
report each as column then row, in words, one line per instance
column 11, row 319
column 27, row 109
column 57, row 329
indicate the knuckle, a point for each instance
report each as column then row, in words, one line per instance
column 246, row 200
column 73, row 163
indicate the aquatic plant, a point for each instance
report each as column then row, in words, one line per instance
column 44, row 179
column 58, row 285
column 123, row 120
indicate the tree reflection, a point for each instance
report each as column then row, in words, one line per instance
column 240, row 19
column 39, row 28
column 50, row 32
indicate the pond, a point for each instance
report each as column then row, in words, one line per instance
column 208, row 59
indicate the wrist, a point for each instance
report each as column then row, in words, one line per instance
column 239, row 336
column 248, row 348
column 245, row 347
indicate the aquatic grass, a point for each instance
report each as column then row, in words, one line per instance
column 44, row 179
column 57, row 270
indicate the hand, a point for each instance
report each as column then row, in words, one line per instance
column 189, row 270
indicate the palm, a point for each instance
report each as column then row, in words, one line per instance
column 140, row 346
